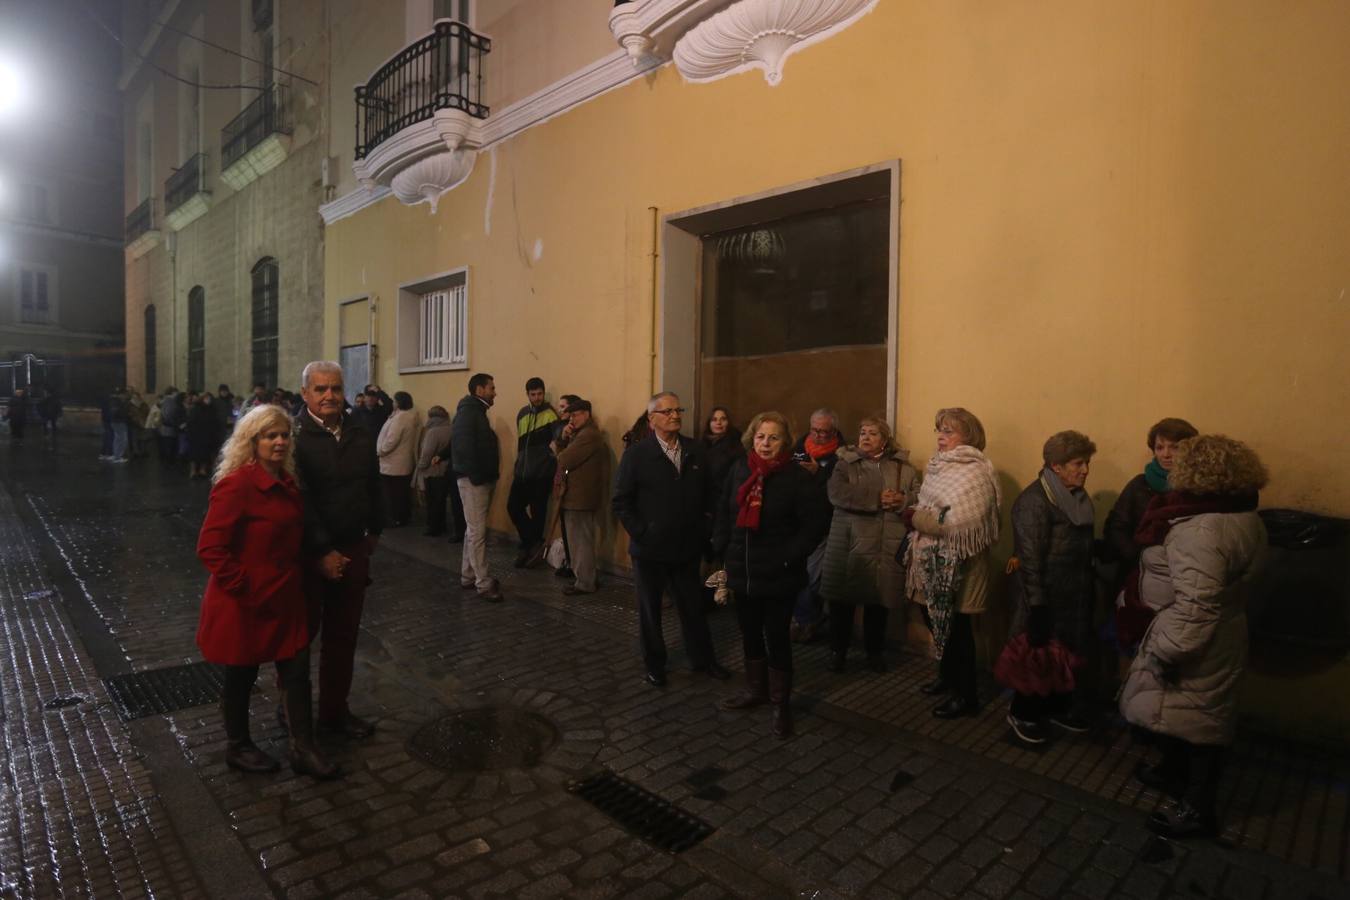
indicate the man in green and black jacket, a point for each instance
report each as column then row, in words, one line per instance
column 527, row 503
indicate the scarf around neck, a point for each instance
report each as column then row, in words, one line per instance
column 1165, row 509
column 1156, row 476
column 960, row 485
column 818, row 450
column 750, row 495
column 1077, row 505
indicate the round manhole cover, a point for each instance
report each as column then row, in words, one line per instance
column 484, row 739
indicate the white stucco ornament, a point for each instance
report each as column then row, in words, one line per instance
column 427, row 179
column 761, row 34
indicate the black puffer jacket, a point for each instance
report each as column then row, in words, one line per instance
column 1124, row 518
column 474, row 452
column 1054, row 566
column 771, row 562
column 340, row 483
column 722, row 455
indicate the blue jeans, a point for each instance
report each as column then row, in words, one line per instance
column 119, row 441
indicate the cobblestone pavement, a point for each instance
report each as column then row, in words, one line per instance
column 871, row 799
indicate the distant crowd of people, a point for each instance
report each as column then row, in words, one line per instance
column 803, row 537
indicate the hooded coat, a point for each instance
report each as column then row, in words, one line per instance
column 860, row 554
column 1184, row 680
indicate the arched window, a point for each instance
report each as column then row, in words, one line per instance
column 197, row 339
column 266, row 279
column 150, row 349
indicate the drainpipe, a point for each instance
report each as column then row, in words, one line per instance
column 651, row 364
column 171, row 240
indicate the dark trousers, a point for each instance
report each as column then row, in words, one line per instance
column 335, row 618
column 764, row 625
column 105, row 448
column 527, row 505
column 438, row 491
column 168, row 449
column 292, row 677
column 653, row 579
column 398, row 498
column 957, row 666
column 1198, row 767
column 875, row 617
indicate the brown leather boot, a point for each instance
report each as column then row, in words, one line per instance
column 756, row 691
column 240, row 751
column 780, row 695
column 305, row 756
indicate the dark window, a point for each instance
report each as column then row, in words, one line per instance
column 150, row 349
column 813, row 280
column 265, row 297
column 196, row 339
column 34, row 299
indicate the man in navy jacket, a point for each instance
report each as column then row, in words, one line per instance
column 661, row 496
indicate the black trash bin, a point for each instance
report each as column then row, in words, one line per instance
column 1299, row 611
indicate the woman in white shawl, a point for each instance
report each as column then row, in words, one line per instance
column 955, row 525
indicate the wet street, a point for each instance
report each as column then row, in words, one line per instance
column 490, row 716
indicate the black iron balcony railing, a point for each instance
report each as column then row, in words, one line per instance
column 184, row 184
column 141, row 219
column 443, row 70
column 266, row 115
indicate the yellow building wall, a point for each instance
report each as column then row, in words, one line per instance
column 1109, row 213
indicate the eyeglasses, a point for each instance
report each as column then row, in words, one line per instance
column 666, row 412
column 946, row 431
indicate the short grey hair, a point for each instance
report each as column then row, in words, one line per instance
column 319, row 365
column 829, row 414
column 653, row 403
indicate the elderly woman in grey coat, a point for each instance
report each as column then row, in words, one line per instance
column 1052, row 522
column 1208, row 542
column 870, row 488
column 433, row 464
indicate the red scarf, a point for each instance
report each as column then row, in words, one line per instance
column 1133, row 617
column 817, row 450
column 750, row 495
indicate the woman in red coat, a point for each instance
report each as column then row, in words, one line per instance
column 254, row 608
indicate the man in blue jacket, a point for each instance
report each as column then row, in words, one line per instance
column 661, row 497
column 476, row 459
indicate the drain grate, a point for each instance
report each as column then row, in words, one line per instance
column 484, row 740
column 642, row 813
column 164, row 690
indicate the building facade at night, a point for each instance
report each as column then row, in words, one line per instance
column 61, row 323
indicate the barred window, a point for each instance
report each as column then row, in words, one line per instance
column 443, row 326
column 197, row 338
column 266, row 283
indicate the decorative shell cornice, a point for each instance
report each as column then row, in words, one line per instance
column 761, row 34
column 431, row 176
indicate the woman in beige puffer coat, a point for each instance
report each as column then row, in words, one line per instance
column 1183, row 684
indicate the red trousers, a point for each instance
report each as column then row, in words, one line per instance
column 335, row 617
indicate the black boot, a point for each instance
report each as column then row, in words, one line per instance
column 305, row 756
column 756, row 691
column 780, row 695
column 240, row 751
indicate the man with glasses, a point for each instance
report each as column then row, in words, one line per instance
column 661, row 496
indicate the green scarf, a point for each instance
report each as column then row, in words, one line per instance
column 1156, row 476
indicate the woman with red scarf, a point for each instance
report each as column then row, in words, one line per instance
column 768, row 521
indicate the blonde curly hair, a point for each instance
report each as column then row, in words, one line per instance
column 239, row 449
column 1216, row 464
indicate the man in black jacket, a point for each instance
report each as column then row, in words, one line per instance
column 527, row 504
column 340, row 481
column 476, row 459
column 662, row 499
column 816, row 452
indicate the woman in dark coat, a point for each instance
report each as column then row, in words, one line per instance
column 1052, row 522
column 203, row 435
column 1132, row 617
column 721, row 446
column 254, row 608
column 768, row 521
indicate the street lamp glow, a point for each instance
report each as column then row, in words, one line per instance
column 13, row 91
